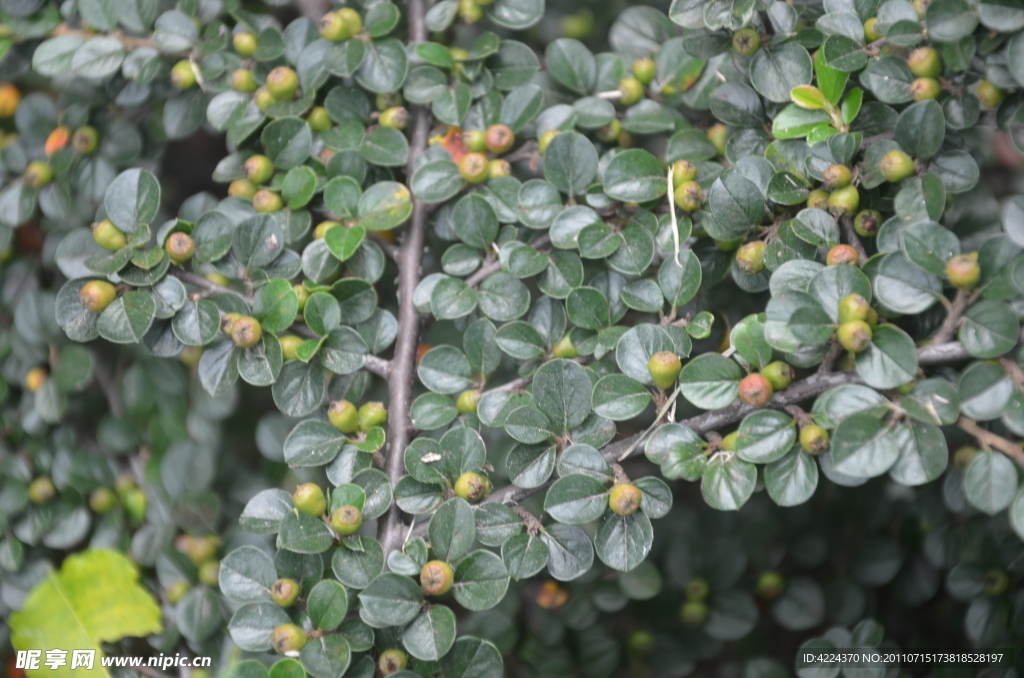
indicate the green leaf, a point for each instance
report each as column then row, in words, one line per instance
column 444, row 369
column 481, row 581
column 634, row 176
column 792, row 479
column 133, row 198
column 475, row 221
column 923, row 453
column 302, row 533
column 623, row 542
column 472, row 656
column 950, row 20
column 990, row 329
column 921, row 129
column 728, row 482
column 390, row 600
column 384, row 66
column 990, row 482
column 275, row 305
column 287, row 142
column 710, row 381
column 562, row 390
column 776, row 70
column 619, row 398
column 678, row 451
column 127, row 318
column 572, row 64
column 452, row 530
column 765, row 436
column 890, row 361
column 94, row 598
column 576, row 499
column 570, row 161
column 431, row 635
column 863, row 446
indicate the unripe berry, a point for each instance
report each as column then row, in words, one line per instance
column 644, row 70
column 10, row 97
column 35, row 378
column 96, row 295
column 995, row 582
column 346, row 520
column 779, row 374
column 837, row 176
column 473, row 167
column 871, row 30
column 179, row 247
column 867, row 223
column 242, row 80
column 728, row 245
column 176, row 591
column 468, row 401
column 498, row 168
column 458, row 54
column 198, row 549
column 246, row 332
column 58, row 140
column 624, row 499
column 925, row 88
column 854, row 335
column 717, row 134
column 610, row 132
column 664, row 368
column 579, row 26
column 319, row 119
column 372, row 414
column 258, row 168
column 989, row 95
column 818, row 199
column 472, row 486
column 242, row 188
column 641, row 642
column 853, row 307
column 475, row 140
column 352, row 20
column 85, row 139
column 564, row 348
column 182, row 75
column 135, row 503
column 209, row 572
column 814, row 439
column 697, row 589
column 263, row 98
column 303, row 294
column 38, row 174
column 470, row 11
column 436, row 578
column 844, row 202
column 190, row 355
column 396, row 117
column 925, row 62
column 632, row 91
column 282, row 83
column 332, row 27
column 289, row 346
column 545, row 140
column 769, row 585
column 896, row 165
column 284, row 592
column 693, row 613
column 921, row 7
column 392, row 661
column 963, row 271
column 267, row 202
column 344, row 416
column 41, row 490
column 689, row 196
column 841, row 254
column 683, row 171
column 755, row 389
column 750, row 257
column 729, row 442
column 746, row 41
column 499, row 139
column 102, row 500
column 227, row 322
column 288, row 639
column 309, row 498
column 964, row 455
column 245, row 43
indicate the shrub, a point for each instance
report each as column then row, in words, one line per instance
column 473, row 311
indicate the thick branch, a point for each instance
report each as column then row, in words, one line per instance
column 989, row 439
column 403, row 365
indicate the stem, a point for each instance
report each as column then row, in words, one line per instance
column 108, row 385
column 989, row 439
column 193, row 278
column 389, row 248
column 1014, row 370
column 835, row 350
column 854, row 240
column 494, row 266
column 533, row 526
column 952, row 321
column 403, row 365
column 126, row 40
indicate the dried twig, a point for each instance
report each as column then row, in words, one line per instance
column 991, row 440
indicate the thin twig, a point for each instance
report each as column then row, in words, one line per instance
column 494, row 265
column 126, row 40
column 952, row 322
column 390, row 248
column 991, row 440
column 1014, row 370
column 403, row 366
column 835, row 350
column 193, row 278
column 108, row 384
column 533, row 526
